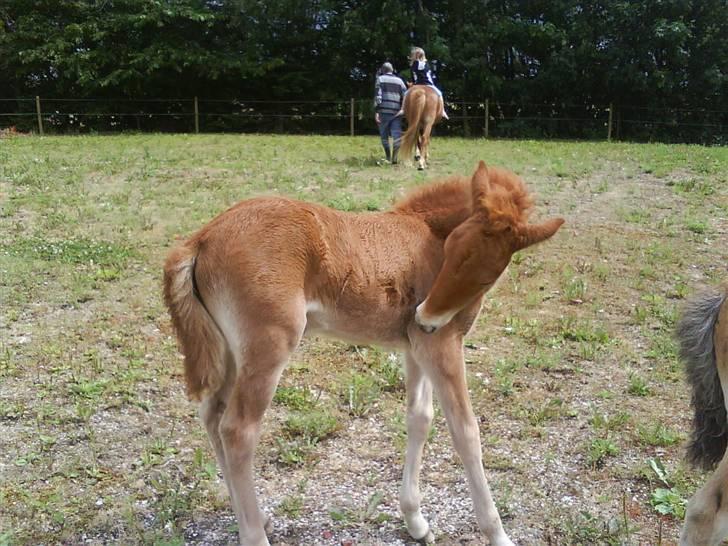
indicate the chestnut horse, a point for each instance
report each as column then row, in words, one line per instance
column 703, row 335
column 244, row 289
column 423, row 108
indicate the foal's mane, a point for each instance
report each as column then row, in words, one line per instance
column 453, row 195
column 449, row 193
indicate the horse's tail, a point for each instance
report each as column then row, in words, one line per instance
column 695, row 334
column 414, row 119
column 201, row 341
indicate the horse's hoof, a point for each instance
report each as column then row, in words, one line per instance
column 420, row 168
column 268, row 526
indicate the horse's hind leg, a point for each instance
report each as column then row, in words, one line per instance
column 259, row 364
column 706, row 519
column 421, row 150
column 419, row 418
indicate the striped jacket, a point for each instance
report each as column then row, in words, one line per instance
column 389, row 93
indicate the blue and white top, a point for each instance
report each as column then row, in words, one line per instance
column 388, row 94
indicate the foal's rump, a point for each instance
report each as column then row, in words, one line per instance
column 703, row 323
column 233, row 270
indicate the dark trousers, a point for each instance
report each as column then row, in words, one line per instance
column 389, row 125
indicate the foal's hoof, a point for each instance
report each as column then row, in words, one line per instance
column 268, row 525
column 420, row 168
column 429, row 537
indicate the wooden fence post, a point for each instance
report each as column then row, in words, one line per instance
column 487, row 116
column 609, row 126
column 197, row 117
column 351, row 118
column 37, row 111
column 466, row 123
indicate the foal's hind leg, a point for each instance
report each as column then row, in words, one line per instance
column 211, row 410
column 419, row 418
column 259, row 364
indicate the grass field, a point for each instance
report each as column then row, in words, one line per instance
column 572, row 365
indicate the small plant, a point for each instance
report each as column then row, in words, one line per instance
column 505, row 370
column 667, row 500
column 697, row 226
column 204, row 465
column 638, row 386
column 360, row 394
column 290, row 506
column 640, row 314
column 367, row 513
column 602, row 421
column 552, row 409
column 599, row 449
column 296, row 398
column 657, row 435
column 575, row 289
column 388, row 370
column 302, row 432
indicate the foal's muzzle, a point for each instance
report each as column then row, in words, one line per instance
column 427, row 328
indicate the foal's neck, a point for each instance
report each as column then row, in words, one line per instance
column 443, row 206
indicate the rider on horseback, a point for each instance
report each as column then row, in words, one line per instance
column 422, row 73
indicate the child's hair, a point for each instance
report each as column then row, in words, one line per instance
column 417, row 54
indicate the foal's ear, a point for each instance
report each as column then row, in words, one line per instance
column 535, row 233
column 480, row 186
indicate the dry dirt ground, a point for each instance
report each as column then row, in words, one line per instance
column 572, row 366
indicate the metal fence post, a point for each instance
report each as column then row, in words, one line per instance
column 487, row 117
column 609, row 126
column 40, row 119
column 351, row 118
column 197, row 117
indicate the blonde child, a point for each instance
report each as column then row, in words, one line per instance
column 422, row 72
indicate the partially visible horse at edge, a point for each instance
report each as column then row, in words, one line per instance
column 423, row 108
column 702, row 333
column 246, row 288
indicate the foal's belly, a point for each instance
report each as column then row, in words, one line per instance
column 379, row 327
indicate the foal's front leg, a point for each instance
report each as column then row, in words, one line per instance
column 419, row 418
column 441, row 355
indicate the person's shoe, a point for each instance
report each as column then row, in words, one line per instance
column 394, row 157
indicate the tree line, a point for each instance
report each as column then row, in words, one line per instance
column 544, row 54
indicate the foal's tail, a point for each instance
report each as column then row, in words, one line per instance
column 695, row 334
column 201, row 341
column 414, row 114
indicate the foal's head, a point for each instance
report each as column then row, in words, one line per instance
column 479, row 249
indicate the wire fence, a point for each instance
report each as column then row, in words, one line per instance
column 488, row 118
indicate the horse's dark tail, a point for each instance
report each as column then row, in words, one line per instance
column 695, row 334
column 413, row 113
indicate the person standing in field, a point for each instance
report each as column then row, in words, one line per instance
column 422, row 73
column 389, row 91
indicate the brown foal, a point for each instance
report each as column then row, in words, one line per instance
column 423, row 109
column 244, row 289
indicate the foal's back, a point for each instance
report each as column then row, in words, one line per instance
column 358, row 276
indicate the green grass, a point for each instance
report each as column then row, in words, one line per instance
column 571, row 363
